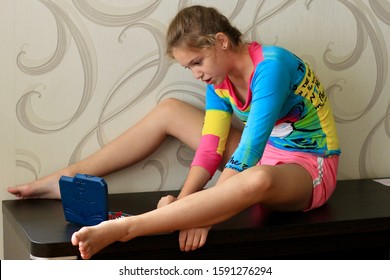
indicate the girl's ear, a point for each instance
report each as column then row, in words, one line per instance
column 222, row 40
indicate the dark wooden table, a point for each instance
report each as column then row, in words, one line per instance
column 354, row 224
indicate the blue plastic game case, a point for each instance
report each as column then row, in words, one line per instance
column 84, row 199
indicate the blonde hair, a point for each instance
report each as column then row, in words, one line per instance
column 196, row 27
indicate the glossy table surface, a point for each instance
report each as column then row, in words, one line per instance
column 356, row 216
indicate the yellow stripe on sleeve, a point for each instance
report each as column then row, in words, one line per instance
column 217, row 123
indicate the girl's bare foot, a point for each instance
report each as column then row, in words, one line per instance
column 46, row 187
column 91, row 240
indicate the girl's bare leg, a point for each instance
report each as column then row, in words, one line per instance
column 171, row 117
column 284, row 187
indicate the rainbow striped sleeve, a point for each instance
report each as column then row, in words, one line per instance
column 215, row 130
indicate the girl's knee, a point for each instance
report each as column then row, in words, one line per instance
column 166, row 111
column 171, row 109
column 259, row 181
column 170, row 104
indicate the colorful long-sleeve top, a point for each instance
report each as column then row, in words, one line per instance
column 286, row 107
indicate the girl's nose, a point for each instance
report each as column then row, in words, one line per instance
column 197, row 75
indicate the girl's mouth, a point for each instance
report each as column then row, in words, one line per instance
column 208, row 81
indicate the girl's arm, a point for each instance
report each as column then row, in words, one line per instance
column 196, row 179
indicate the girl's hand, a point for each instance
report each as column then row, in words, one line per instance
column 165, row 200
column 192, row 239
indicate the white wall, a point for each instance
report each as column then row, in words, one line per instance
column 74, row 74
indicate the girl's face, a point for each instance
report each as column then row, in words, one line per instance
column 208, row 65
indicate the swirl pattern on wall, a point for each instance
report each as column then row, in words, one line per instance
column 88, row 60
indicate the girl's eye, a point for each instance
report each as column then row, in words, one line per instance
column 193, row 63
column 198, row 62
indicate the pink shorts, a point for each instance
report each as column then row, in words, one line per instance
column 323, row 171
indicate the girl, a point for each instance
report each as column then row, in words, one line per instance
column 285, row 158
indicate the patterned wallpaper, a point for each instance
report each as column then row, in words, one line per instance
column 77, row 73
